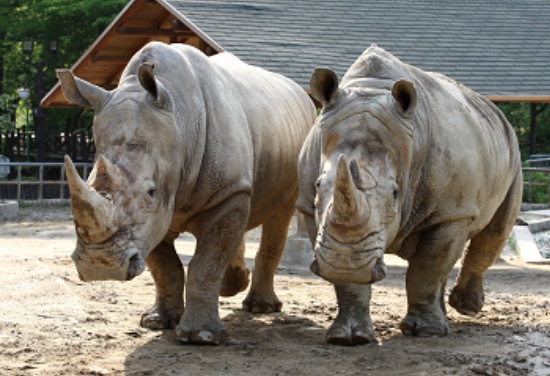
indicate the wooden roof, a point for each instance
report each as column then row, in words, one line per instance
column 499, row 48
column 140, row 22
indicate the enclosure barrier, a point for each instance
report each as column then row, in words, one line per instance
column 45, row 182
column 36, row 182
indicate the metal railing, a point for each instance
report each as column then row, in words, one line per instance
column 536, row 178
column 37, row 181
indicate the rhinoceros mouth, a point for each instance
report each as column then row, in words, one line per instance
column 113, row 259
column 360, row 262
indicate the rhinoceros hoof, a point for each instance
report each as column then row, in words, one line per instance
column 256, row 304
column 467, row 301
column 203, row 336
column 421, row 326
column 345, row 335
column 157, row 320
column 234, row 281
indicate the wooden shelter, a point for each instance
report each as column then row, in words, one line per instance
column 499, row 48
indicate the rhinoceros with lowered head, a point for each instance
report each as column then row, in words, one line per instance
column 412, row 163
column 188, row 143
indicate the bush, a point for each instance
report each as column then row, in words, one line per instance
column 539, row 193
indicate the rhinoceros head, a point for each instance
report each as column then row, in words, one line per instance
column 366, row 142
column 125, row 207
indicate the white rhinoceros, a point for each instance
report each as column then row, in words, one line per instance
column 189, row 143
column 412, row 163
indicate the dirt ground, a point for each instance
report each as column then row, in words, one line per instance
column 51, row 323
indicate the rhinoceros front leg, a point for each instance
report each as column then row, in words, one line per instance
column 219, row 232
column 353, row 325
column 168, row 274
column 429, row 267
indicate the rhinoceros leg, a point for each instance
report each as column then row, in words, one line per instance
column 168, row 274
column 429, row 267
column 236, row 275
column 219, row 232
column 353, row 325
column 484, row 249
column 262, row 298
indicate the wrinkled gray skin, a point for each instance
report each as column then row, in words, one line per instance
column 412, row 163
column 189, row 143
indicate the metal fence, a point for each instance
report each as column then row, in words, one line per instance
column 39, row 182
column 36, row 182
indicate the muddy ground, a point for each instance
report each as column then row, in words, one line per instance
column 51, row 323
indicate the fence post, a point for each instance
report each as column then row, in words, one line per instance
column 40, row 182
column 530, row 186
column 62, row 182
column 19, row 176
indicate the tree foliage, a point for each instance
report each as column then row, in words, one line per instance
column 519, row 115
column 72, row 24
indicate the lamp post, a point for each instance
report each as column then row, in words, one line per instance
column 38, row 69
column 24, row 94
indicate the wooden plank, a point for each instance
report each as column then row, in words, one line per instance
column 149, row 32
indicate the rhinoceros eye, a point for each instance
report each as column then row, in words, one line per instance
column 152, row 192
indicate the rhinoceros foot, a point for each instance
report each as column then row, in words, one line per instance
column 350, row 331
column 205, row 335
column 234, row 281
column 468, row 300
column 257, row 303
column 157, row 319
column 425, row 324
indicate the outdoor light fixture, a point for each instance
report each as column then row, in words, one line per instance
column 53, row 46
column 24, row 93
column 27, row 46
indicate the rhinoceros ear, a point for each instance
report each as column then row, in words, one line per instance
column 324, row 85
column 80, row 92
column 147, row 79
column 404, row 94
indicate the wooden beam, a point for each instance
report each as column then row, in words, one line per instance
column 111, row 59
column 142, row 32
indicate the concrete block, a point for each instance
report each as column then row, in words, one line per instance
column 8, row 210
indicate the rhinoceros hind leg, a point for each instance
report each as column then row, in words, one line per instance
column 425, row 324
column 468, row 300
column 484, row 249
column 261, row 297
column 353, row 325
column 236, row 277
column 157, row 319
column 168, row 274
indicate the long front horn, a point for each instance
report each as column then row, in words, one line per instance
column 93, row 214
column 347, row 202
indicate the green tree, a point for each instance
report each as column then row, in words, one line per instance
column 519, row 115
column 68, row 25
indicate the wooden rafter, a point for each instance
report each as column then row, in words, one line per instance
column 149, row 32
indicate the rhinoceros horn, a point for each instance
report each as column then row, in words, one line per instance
column 93, row 214
column 348, row 207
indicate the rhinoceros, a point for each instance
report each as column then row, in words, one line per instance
column 188, row 143
column 407, row 162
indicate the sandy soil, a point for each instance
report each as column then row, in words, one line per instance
column 51, row 323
